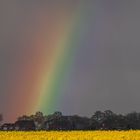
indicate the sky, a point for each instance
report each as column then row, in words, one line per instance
column 73, row 56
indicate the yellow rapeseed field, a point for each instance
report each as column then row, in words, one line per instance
column 72, row 135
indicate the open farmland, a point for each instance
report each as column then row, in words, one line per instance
column 72, row 135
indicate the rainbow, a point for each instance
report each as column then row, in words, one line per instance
column 59, row 64
column 45, row 61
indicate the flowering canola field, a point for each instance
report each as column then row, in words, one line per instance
column 72, row 135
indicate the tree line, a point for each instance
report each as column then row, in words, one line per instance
column 100, row 120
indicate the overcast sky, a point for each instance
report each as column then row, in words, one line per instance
column 106, row 69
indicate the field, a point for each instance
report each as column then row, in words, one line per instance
column 73, row 135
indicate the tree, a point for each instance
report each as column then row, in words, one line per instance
column 133, row 120
column 39, row 120
column 110, row 120
column 121, row 122
column 97, row 120
column 98, row 116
